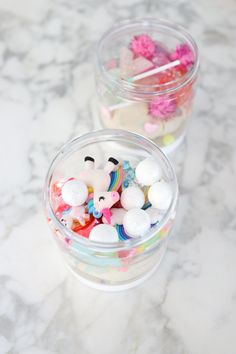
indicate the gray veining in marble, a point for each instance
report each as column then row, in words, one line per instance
column 46, row 95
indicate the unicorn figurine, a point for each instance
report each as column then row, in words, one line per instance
column 103, row 183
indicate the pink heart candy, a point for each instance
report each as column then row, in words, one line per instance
column 150, row 127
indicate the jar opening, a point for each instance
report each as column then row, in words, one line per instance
column 104, row 136
column 139, row 89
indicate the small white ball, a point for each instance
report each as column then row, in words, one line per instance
column 132, row 197
column 160, row 195
column 74, row 192
column 136, row 222
column 148, row 172
column 104, row 233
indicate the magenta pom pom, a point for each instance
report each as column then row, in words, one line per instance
column 184, row 54
column 162, row 107
column 144, row 46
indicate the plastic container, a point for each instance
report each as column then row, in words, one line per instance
column 158, row 106
column 110, row 266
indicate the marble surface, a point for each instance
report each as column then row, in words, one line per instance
column 46, row 95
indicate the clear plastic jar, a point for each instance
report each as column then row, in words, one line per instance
column 109, row 266
column 159, row 105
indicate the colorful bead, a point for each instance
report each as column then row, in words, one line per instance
column 168, row 139
column 129, row 175
column 126, row 184
column 126, row 165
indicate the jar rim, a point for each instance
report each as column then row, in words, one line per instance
column 100, row 136
column 126, row 86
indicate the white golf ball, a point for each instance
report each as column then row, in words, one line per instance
column 160, row 195
column 136, row 222
column 132, row 197
column 104, row 233
column 148, row 172
column 74, row 192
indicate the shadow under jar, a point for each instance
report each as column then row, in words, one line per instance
column 156, row 105
column 107, row 265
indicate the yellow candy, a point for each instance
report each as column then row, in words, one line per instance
column 168, row 139
column 90, row 189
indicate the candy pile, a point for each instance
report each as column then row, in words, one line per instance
column 153, row 68
column 113, row 203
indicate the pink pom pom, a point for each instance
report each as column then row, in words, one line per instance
column 162, row 107
column 184, row 54
column 144, row 46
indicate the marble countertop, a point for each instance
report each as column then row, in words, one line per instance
column 46, row 95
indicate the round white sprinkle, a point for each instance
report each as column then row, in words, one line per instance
column 132, row 197
column 74, row 192
column 104, row 233
column 160, row 195
column 148, row 172
column 136, row 222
